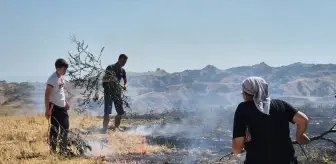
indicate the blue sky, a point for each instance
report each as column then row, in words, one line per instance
column 174, row 34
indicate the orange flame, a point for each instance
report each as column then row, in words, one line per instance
column 143, row 147
column 100, row 155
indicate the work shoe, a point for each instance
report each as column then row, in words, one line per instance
column 52, row 151
column 103, row 131
column 113, row 128
column 120, row 129
column 65, row 152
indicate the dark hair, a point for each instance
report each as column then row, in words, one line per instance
column 123, row 56
column 249, row 95
column 61, row 63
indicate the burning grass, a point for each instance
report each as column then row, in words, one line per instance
column 148, row 139
column 24, row 140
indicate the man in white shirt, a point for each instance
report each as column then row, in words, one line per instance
column 56, row 107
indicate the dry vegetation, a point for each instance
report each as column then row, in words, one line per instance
column 24, row 140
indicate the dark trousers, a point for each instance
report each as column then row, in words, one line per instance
column 110, row 97
column 59, row 126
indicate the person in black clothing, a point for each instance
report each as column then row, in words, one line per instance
column 113, row 91
column 261, row 126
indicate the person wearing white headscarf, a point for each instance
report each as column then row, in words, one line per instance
column 258, row 88
column 261, row 126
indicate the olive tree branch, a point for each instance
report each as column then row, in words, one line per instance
column 86, row 71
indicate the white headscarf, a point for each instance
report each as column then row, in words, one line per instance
column 258, row 87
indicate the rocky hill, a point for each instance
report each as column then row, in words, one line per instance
column 205, row 88
column 212, row 87
column 14, row 96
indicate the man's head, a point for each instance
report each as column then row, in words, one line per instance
column 122, row 60
column 256, row 88
column 61, row 66
column 247, row 97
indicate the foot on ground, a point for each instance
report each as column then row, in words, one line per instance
column 66, row 152
column 52, row 152
column 120, row 129
column 103, row 131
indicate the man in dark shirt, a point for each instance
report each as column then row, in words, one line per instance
column 266, row 135
column 113, row 91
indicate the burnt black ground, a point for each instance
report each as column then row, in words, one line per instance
column 205, row 137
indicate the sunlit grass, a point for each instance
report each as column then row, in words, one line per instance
column 24, row 140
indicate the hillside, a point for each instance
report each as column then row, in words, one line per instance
column 16, row 98
column 211, row 87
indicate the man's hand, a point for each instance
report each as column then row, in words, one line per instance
column 47, row 114
column 48, row 91
column 125, row 86
column 302, row 139
column 67, row 106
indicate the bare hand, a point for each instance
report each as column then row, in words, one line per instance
column 302, row 139
column 47, row 114
column 67, row 106
column 125, row 87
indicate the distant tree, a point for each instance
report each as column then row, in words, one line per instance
column 85, row 72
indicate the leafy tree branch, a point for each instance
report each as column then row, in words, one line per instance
column 86, row 71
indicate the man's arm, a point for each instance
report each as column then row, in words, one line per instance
column 108, row 74
column 238, row 145
column 47, row 100
column 239, row 125
column 125, row 79
column 47, row 96
column 51, row 83
column 300, row 119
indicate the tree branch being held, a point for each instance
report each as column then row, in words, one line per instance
column 86, row 73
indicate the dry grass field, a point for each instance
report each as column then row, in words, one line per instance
column 24, row 140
